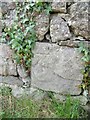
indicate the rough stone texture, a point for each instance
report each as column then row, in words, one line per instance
column 59, row 29
column 21, row 71
column 23, row 76
column 4, row 7
column 79, row 19
column 83, row 100
column 42, row 25
column 10, row 18
column 7, row 64
column 0, row 21
column 73, row 42
column 0, row 13
column 59, row 97
column 59, row 7
column 10, row 80
column 89, row 93
column 0, row 28
column 11, row 5
column 56, row 68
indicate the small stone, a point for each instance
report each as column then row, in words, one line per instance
column 59, row 7
column 83, row 100
column 10, row 80
column 61, row 98
column 26, row 82
column 59, row 29
column 17, row 91
column 79, row 19
column 42, row 25
column 7, row 64
column 0, row 13
column 11, row 6
column 21, row 71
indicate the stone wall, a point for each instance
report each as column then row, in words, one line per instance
column 57, row 64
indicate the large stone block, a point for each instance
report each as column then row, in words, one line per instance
column 56, row 69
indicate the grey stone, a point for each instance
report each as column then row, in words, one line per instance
column 79, row 19
column 11, row 5
column 59, row 97
column 0, row 13
column 69, row 43
column 83, row 100
column 10, row 80
column 5, row 51
column 59, row 29
column 56, row 68
column 7, row 64
column 59, row 7
column 26, row 82
column 0, row 28
column 42, row 25
column 37, row 95
column 7, row 67
column 21, row 71
column 73, row 42
column 17, row 91
column 89, row 93
column 4, row 7
column 9, row 19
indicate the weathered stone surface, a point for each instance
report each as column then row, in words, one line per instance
column 56, row 68
column 7, row 64
column 10, row 80
column 0, row 28
column 59, row 97
column 89, row 94
column 0, row 13
column 69, row 43
column 73, row 42
column 79, row 19
column 42, row 25
column 59, row 29
column 26, row 82
column 4, row 7
column 11, row 5
column 83, row 100
column 59, row 7
column 23, row 76
column 9, row 19
column 5, row 51
column 21, row 71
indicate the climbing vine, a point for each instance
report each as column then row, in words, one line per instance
column 85, row 51
column 21, row 35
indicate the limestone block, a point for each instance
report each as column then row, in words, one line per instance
column 56, row 69
column 42, row 25
column 59, row 29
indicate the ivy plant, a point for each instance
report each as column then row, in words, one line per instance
column 85, row 51
column 21, row 35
